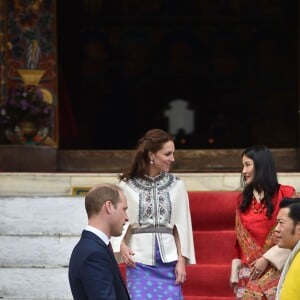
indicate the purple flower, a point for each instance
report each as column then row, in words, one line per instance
column 26, row 103
column 23, row 104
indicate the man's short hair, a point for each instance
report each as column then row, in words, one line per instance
column 98, row 195
column 294, row 205
column 286, row 201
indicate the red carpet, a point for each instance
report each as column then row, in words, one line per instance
column 213, row 216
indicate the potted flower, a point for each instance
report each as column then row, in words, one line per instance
column 25, row 112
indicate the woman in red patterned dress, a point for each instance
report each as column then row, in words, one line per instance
column 258, row 261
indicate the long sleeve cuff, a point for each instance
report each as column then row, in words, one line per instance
column 235, row 267
column 277, row 256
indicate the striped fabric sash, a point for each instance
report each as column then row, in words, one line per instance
column 247, row 243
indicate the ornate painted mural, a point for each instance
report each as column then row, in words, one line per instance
column 28, row 50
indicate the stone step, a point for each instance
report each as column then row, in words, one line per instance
column 68, row 184
column 34, row 284
column 37, row 251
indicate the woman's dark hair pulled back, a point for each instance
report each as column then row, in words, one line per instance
column 152, row 141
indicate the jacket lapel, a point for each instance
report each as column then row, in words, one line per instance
column 93, row 236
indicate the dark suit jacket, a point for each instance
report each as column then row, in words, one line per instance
column 93, row 271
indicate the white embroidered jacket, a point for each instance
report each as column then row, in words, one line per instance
column 160, row 202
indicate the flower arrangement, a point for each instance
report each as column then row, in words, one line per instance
column 25, row 103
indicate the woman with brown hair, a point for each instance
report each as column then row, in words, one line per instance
column 158, row 242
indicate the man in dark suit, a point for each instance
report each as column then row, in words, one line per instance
column 93, row 270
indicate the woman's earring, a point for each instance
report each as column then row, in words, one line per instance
column 151, row 162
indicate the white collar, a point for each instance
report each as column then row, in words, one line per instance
column 99, row 233
column 258, row 196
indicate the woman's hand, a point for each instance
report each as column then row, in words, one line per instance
column 258, row 267
column 180, row 271
column 126, row 254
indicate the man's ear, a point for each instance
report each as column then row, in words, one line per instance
column 108, row 206
column 298, row 230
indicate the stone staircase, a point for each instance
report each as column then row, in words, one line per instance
column 42, row 216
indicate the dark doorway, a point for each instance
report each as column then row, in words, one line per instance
column 122, row 62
